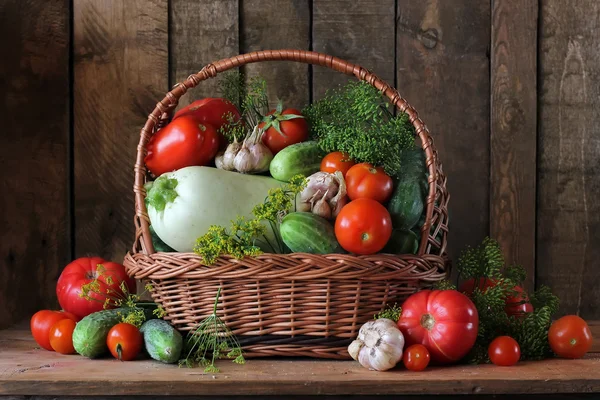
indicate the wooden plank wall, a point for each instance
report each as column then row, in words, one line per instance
column 508, row 89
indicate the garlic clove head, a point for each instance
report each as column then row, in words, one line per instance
column 382, row 344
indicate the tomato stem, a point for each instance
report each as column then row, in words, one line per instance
column 120, row 351
column 427, row 321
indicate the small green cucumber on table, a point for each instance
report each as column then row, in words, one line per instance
column 162, row 341
column 301, row 158
column 305, row 232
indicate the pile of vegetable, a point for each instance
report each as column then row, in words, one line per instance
column 231, row 176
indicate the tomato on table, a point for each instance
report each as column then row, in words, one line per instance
column 366, row 181
column 444, row 321
column 283, row 127
column 109, row 276
column 363, row 226
column 41, row 323
column 504, row 351
column 570, row 337
column 214, row 111
column 517, row 305
column 416, row 357
column 337, row 161
column 184, row 142
column 124, row 341
column 61, row 336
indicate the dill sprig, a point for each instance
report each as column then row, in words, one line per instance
column 390, row 312
column 356, row 119
column 245, row 237
column 530, row 330
column 210, row 341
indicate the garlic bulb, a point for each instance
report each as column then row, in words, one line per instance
column 324, row 194
column 379, row 345
column 249, row 157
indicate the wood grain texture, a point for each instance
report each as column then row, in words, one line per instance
column 443, row 71
column 568, row 244
column 121, row 72
column 201, row 32
column 361, row 32
column 34, row 82
column 513, row 131
column 27, row 370
column 278, row 24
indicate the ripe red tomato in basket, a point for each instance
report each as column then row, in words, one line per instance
column 504, row 351
column 61, row 336
column 337, row 161
column 41, row 323
column 84, row 270
column 283, row 127
column 214, row 111
column 364, row 180
column 124, row 341
column 184, row 142
column 570, row 337
column 444, row 321
column 363, row 226
column 517, row 305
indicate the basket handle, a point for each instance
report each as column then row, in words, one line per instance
column 161, row 112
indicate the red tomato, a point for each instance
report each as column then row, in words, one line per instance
column 416, row 357
column 61, row 336
column 444, row 321
column 517, row 305
column 213, row 111
column 124, row 341
column 570, row 337
column 336, row 161
column 504, row 351
column 41, row 322
column 293, row 129
column 83, row 271
column 184, row 142
column 363, row 226
column 364, row 180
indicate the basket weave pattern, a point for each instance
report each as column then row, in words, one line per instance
column 289, row 304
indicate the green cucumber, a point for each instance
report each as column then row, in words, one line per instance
column 162, row 341
column 305, row 232
column 406, row 204
column 402, row 242
column 301, row 158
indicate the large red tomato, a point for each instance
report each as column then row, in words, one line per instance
column 283, row 128
column 83, row 271
column 214, row 111
column 517, row 305
column 363, row 226
column 42, row 321
column 183, row 142
column 570, row 337
column 444, row 321
column 364, row 180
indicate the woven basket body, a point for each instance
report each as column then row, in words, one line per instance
column 289, row 304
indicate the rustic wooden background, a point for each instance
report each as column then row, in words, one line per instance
column 509, row 89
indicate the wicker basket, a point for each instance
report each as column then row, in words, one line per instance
column 292, row 304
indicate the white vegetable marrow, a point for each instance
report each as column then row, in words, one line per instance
column 183, row 204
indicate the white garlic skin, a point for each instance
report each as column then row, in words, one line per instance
column 379, row 346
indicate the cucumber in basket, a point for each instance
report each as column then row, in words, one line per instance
column 301, row 158
column 305, row 232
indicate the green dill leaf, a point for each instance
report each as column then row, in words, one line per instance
column 390, row 312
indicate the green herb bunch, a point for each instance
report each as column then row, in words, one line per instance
column 356, row 119
column 529, row 330
column 246, row 236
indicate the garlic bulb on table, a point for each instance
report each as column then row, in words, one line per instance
column 379, row 345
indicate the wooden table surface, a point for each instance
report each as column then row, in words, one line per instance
column 27, row 370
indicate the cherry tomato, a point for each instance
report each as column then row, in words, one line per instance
column 283, row 128
column 61, row 336
column 504, row 351
column 364, row 180
column 214, row 111
column 416, row 357
column 337, row 161
column 570, row 337
column 124, row 341
column 182, row 143
column 517, row 305
column 42, row 321
column 363, row 226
